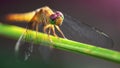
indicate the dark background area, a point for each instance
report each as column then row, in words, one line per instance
column 102, row 14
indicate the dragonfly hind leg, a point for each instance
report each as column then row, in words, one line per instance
column 37, row 26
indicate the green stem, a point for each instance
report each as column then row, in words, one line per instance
column 60, row 43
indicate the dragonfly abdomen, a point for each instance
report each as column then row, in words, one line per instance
column 20, row 17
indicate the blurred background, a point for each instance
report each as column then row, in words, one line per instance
column 102, row 14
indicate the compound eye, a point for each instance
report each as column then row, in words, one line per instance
column 58, row 13
column 53, row 16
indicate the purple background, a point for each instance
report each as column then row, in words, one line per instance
column 103, row 14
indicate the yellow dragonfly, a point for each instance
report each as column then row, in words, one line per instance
column 45, row 16
column 51, row 20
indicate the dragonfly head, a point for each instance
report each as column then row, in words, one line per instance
column 56, row 18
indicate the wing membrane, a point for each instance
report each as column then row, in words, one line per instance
column 82, row 32
column 23, row 49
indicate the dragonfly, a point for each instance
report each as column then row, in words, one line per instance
column 51, row 20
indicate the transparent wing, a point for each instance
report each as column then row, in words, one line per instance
column 23, row 49
column 81, row 32
column 45, row 52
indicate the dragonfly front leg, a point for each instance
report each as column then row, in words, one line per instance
column 60, row 31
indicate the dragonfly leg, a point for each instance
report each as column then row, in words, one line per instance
column 49, row 27
column 33, row 25
column 37, row 25
column 45, row 28
column 53, row 30
column 60, row 31
column 49, row 30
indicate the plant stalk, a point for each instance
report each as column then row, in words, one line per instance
column 60, row 43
